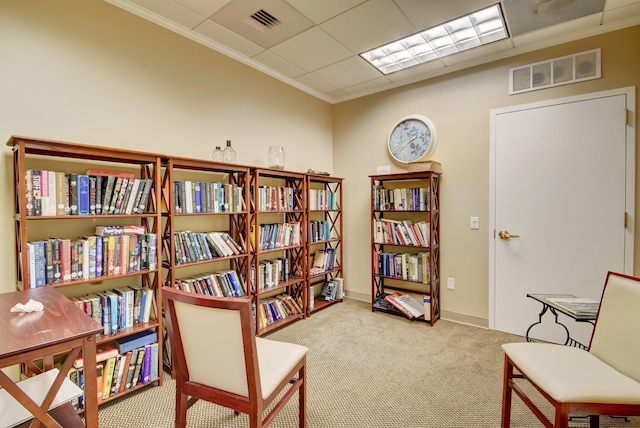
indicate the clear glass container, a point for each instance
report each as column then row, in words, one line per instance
column 229, row 154
column 217, row 155
column 275, row 159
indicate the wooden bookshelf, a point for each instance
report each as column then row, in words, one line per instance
column 324, row 233
column 277, row 205
column 400, row 253
column 136, row 267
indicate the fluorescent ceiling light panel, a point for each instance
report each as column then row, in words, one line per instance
column 476, row 29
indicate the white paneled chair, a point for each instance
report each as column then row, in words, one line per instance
column 603, row 380
column 216, row 357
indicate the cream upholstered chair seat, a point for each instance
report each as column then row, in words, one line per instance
column 603, row 380
column 572, row 375
column 216, row 357
column 275, row 361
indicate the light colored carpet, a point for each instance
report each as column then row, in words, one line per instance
column 373, row 370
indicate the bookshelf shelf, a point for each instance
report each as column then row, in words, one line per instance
column 405, row 241
column 324, row 225
column 69, row 243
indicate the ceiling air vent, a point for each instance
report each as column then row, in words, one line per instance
column 558, row 71
column 265, row 18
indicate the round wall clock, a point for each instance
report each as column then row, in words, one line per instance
column 412, row 139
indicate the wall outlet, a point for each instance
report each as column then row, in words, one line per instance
column 451, row 283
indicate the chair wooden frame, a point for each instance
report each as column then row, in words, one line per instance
column 188, row 391
column 595, row 407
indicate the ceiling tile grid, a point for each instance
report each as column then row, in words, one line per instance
column 315, row 45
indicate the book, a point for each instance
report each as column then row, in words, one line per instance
column 145, row 371
column 391, row 301
column 109, row 368
column 103, row 353
column 125, row 364
column 138, row 367
column 576, row 305
column 132, row 368
column 109, row 172
column 137, row 340
column 410, row 304
column 430, row 165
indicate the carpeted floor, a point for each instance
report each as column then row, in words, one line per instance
column 369, row 370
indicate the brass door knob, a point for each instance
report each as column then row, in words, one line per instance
column 505, row 235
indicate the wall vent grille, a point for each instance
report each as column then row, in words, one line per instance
column 558, row 71
column 265, row 18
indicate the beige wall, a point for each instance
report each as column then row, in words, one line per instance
column 459, row 104
column 86, row 71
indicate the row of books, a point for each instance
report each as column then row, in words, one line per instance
column 275, row 309
column 401, row 199
column 195, row 197
column 271, row 272
column 98, row 192
column 320, row 199
column 193, row 247
column 401, row 232
column 119, row 371
column 319, row 230
column 224, row 283
column 60, row 260
column 272, row 198
column 409, row 267
column 118, row 309
column 323, row 260
column 278, row 235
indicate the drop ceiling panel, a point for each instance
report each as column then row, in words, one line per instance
column 426, row 14
column 367, row 86
column 320, row 11
column 627, row 12
column 349, row 72
column 426, row 68
column 473, row 55
column 278, row 64
column 369, row 25
column 311, row 50
column 204, row 7
column 559, row 33
column 236, row 16
column 172, row 11
column 228, row 39
column 525, row 16
column 316, row 83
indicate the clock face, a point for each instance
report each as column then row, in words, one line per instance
column 412, row 139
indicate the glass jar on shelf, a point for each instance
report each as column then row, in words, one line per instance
column 217, row 155
column 275, row 158
column 229, row 154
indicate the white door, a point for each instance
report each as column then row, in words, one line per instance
column 562, row 179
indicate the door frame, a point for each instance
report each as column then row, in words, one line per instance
column 630, row 167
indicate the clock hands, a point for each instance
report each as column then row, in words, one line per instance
column 407, row 143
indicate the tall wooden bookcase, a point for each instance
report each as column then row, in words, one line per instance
column 278, row 236
column 324, row 223
column 30, row 155
column 400, row 260
column 201, row 198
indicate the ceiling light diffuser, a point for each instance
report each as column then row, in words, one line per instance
column 476, row 29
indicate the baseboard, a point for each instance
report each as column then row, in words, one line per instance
column 363, row 297
column 465, row 319
column 447, row 315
